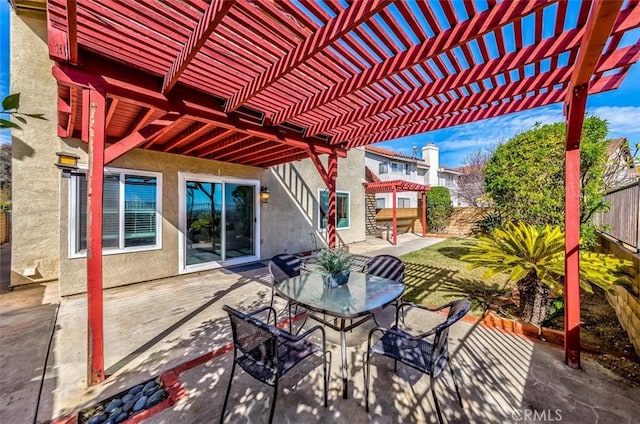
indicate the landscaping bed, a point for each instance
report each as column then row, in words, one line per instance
column 435, row 276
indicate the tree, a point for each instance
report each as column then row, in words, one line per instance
column 11, row 106
column 5, row 175
column 471, row 185
column 619, row 169
column 535, row 260
column 439, row 208
column 525, row 176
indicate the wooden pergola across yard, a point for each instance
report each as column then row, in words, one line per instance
column 394, row 187
column 263, row 83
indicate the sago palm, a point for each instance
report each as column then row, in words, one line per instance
column 535, row 260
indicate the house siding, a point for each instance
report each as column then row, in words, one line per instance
column 35, row 181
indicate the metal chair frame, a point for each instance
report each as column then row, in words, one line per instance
column 433, row 365
column 270, row 349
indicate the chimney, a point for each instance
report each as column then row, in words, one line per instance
column 431, row 155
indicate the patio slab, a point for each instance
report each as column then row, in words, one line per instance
column 157, row 327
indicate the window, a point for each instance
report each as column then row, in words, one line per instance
column 397, row 167
column 342, row 214
column 380, row 203
column 403, row 202
column 130, row 213
column 383, row 168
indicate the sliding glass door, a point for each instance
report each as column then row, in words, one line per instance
column 218, row 222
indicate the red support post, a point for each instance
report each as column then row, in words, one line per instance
column 575, row 118
column 424, row 214
column 394, row 220
column 332, row 171
column 96, row 133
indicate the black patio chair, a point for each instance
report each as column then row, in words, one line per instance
column 283, row 267
column 385, row 266
column 428, row 357
column 267, row 353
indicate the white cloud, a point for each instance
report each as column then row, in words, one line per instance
column 455, row 143
column 5, row 136
column 624, row 121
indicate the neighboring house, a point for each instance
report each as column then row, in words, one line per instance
column 164, row 214
column 388, row 165
column 620, row 170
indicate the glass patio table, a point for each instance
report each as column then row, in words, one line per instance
column 358, row 299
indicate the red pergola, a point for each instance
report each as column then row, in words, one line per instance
column 394, row 187
column 263, row 83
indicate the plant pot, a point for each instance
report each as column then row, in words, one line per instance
column 336, row 280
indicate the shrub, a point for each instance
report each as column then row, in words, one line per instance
column 439, row 208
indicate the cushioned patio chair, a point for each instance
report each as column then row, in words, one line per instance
column 267, row 353
column 385, row 266
column 283, row 267
column 428, row 357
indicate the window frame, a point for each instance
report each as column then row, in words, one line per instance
column 403, row 199
column 348, row 193
column 74, row 252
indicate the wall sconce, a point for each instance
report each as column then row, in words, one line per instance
column 264, row 194
column 68, row 162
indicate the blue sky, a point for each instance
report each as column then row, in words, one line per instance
column 621, row 108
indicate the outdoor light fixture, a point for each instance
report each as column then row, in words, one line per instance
column 68, row 162
column 264, row 194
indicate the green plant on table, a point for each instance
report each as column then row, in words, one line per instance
column 334, row 261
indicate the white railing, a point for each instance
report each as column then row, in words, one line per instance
column 622, row 220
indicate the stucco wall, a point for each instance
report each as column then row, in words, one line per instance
column 293, row 213
column 285, row 226
column 35, row 180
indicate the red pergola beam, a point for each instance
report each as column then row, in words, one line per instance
column 547, row 48
column 136, row 138
column 358, row 12
column 598, row 28
column 476, row 113
column 608, row 62
column 480, row 24
column 183, row 138
column 140, row 89
column 526, row 85
column 204, row 28
column 72, row 31
column 63, row 43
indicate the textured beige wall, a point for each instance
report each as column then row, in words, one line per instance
column 36, row 180
column 284, row 225
column 293, row 212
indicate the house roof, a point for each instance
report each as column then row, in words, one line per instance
column 262, row 82
column 397, row 185
column 392, row 154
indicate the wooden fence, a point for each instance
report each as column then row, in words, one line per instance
column 622, row 220
column 4, row 226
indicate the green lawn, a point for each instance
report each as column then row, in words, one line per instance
column 435, row 275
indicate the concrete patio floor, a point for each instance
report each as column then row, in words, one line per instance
column 159, row 326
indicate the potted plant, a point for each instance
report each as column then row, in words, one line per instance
column 334, row 266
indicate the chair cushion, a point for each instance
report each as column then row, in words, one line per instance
column 399, row 345
column 289, row 354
